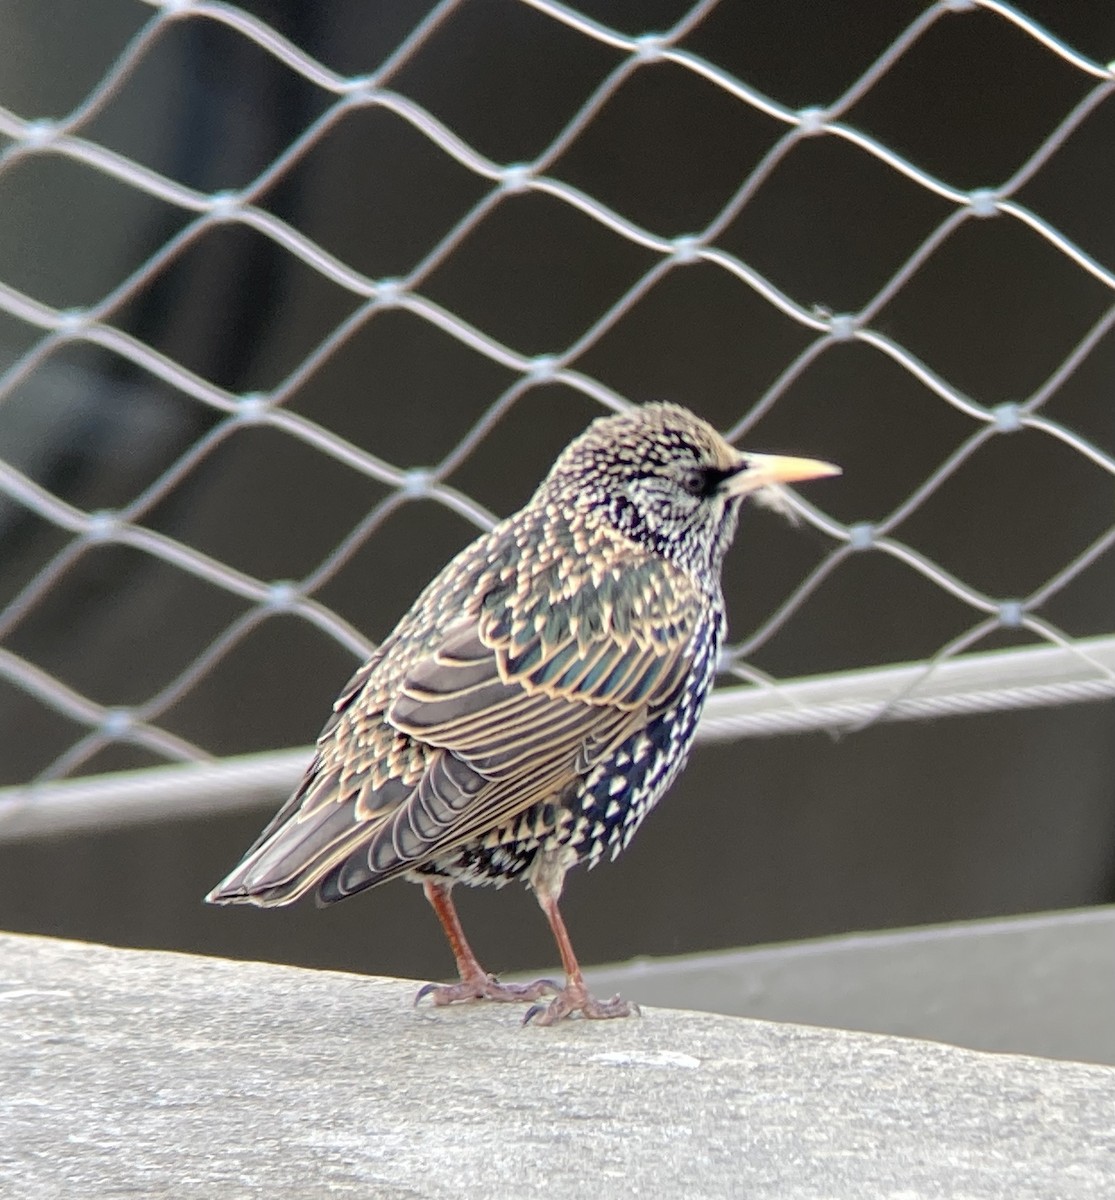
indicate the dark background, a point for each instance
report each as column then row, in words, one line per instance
column 762, row 840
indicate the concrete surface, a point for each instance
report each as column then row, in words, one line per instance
column 127, row 1073
column 1041, row 984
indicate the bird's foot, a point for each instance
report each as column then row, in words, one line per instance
column 576, row 998
column 484, row 987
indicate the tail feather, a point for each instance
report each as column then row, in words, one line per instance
column 287, row 863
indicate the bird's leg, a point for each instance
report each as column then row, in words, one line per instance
column 476, row 983
column 575, row 996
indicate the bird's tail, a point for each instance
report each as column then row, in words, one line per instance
column 292, row 855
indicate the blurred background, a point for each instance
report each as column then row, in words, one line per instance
column 281, row 327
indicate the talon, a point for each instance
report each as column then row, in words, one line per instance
column 575, row 998
column 485, row 987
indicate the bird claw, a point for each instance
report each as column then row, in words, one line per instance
column 576, row 999
column 485, row 987
column 424, row 991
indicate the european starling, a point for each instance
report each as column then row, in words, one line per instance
column 536, row 701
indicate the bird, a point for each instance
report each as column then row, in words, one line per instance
column 536, row 701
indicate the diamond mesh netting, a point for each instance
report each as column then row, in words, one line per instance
column 269, row 265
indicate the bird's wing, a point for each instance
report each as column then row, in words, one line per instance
column 507, row 709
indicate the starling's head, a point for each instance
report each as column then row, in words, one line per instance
column 667, row 480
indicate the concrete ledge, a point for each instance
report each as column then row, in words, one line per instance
column 160, row 1075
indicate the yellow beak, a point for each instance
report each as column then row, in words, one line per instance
column 762, row 470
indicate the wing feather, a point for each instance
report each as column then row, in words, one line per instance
column 503, row 710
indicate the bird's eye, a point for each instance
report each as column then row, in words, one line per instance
column 695, row 482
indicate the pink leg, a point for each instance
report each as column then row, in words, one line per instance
column 476, row 983
column 575, row 996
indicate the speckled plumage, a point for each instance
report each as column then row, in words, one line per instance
column 538, row 698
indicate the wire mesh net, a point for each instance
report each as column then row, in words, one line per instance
column 272, row 263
